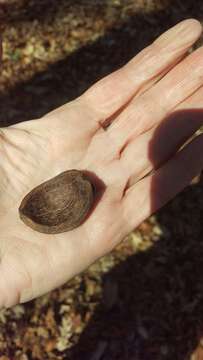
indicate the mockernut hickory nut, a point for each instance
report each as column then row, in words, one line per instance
column 59, row 204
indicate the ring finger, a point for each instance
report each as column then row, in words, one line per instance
column 154, row 147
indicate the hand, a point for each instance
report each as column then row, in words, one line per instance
column 134, row 102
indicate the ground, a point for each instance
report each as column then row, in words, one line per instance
column 144, row 301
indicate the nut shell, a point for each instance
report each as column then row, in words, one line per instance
column 59, row 204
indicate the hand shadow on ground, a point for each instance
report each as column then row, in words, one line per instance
column 68, row 78
column 152, row 306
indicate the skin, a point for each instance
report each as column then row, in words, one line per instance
column 136, row 99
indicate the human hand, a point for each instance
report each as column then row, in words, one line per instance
column 134, row 100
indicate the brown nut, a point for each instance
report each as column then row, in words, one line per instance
column 59, row 204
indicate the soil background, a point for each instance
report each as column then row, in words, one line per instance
column 144, row 301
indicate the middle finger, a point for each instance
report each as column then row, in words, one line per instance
column 150, row 108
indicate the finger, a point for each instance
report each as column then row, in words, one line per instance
column 151, row 107
column 154, row 147
column 154, row 191
column 116, row 89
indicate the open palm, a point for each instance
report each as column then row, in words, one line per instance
column 133, row 101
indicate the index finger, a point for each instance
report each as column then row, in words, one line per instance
column 112, row 92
